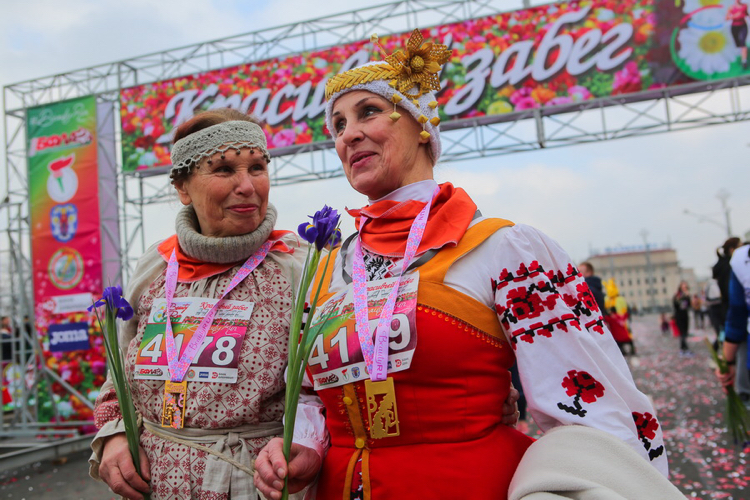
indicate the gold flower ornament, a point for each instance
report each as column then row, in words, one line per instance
column 418, row 66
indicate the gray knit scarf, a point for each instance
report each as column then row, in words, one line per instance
column 221, row 250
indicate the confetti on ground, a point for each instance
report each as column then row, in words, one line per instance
column 61, row 481
column 703, row 461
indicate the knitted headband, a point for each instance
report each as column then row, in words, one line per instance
column 404, row 78
column 194, row 148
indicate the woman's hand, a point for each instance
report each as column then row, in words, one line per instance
column 271, row 468
column 510, row 408
column 118, row 471
column 727, row 379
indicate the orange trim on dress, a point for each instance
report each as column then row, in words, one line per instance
column 360, row 433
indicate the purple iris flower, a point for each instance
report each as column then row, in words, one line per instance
column 113, row 299
column 323, row 229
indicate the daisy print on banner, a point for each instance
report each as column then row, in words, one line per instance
column 709, row 51
column 705, row 47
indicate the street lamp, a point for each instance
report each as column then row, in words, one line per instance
column 722, row 195
column 649, row 271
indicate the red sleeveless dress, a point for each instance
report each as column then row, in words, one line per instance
column 452, row 444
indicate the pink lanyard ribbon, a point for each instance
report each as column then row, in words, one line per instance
column 376, row 355
column 179, row 366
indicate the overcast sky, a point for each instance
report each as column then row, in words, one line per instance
column 587, row 197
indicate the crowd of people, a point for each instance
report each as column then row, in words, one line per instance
column 480, row 296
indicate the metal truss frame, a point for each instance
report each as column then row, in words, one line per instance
column 656, row 111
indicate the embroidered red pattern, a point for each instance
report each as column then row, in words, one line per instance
column 647, row 425
column 581, row 386
column 557, row 300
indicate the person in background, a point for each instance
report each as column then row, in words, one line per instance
column 696, row 304
column 664, row 323
column 594, row 282
column 713, row 303
column 721, row 272
column 6, row 340
column 736, row 340
column 618, row 325
column 681, row 305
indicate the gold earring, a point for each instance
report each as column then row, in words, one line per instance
column 424, row 134
column 395, row 98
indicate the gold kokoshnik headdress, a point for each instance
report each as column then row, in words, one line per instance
column 407, row 79
column 189, row 151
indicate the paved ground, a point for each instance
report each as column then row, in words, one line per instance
column 704, row 464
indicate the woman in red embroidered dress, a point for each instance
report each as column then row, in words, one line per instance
column 235, row 387
column 488, row 293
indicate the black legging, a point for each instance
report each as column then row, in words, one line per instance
column 682, row 326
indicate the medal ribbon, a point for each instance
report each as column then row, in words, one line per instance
column 376, row 355
column 179, row 366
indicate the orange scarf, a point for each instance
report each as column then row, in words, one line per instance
column 387, row 229
column 192, row 269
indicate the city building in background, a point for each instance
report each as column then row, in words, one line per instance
column 647, row 277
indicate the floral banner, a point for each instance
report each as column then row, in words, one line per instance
column 552, row 55
column 66, row 251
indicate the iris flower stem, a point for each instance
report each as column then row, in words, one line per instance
column 120, row 381
column 300, row 345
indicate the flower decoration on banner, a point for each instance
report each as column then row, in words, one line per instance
column 116, row 307
column 523, row 66
column 75, row 375
column 581, row 386
column 323, row 231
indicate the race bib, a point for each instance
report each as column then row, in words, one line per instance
column 217, row 358
column 336, row 358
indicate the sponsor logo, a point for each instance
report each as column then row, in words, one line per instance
column 47, row 143
column 69, row 336
column 156, row 372
column 64, row 337
column 343, row 374
column 62, row 183
column 65, row 268
column 355, row 372
column 191, row 374
column 398, row 363
column 63, row 221
column 330, row 379
column 214, row 375
column 202, row 374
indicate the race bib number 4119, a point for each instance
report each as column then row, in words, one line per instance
column 217, row 357
column 336, row 358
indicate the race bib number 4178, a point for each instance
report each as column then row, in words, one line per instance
column 218, row 355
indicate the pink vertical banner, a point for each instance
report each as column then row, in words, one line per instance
column 66, row 251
